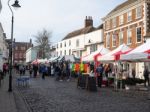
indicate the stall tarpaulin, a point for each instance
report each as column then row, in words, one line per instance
column 93, row 56
column 53, row 59
column 36, row 61
column 140, row 53
column 115, row 54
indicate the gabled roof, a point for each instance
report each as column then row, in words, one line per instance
column 126, row 3
column 79, row 32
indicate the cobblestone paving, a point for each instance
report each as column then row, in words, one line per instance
column 52, row 96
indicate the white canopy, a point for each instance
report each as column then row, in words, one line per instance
column 100, row 52
column 141, row 53
column 52, row 59
column 115, row 54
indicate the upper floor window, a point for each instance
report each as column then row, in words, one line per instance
column 60, row 45
column 65, row 44
column 77, row 43
column 114, row 22
column 129, row 36
column 114, row 40
column 65, row 52
column 69, row 42
column 139, row 12
column 107, row 24
column 23, row 48
column 69, row 51
column 138, row 34
column 93, row 48
column 129, row 15
column 121, row 19
column 121, row 37
column 16, row 48
column 60, row 53
column 108, row 40
column 16, row 55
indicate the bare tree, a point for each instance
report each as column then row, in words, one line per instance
column 43, row 41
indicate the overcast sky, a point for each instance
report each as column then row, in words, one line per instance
column 58, row 16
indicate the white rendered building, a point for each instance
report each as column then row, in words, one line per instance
column 31, row 54
column 81, row 42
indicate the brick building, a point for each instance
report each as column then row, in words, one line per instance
column 19, row 51
column 128, row 23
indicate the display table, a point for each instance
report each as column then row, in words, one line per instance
column 23, row 80
column 87, row 82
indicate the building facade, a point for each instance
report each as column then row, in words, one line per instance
column 31, row 54
column 81, row 42
column 128, row 23
column 19, row 51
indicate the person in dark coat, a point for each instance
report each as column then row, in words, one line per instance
column 43, row 70
column 99, row 71
column 146, row 76
column 35, row 69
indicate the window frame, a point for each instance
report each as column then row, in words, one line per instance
column 128, row 15
column 108, row 40
column 137, row 34
column 129, row 31
column 137, row 10
column 121, row 32
column 121, row 19
column 114, row 35
column 77, row 43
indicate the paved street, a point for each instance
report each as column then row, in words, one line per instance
column 52, row 96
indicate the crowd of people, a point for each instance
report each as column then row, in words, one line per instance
column 65, row 70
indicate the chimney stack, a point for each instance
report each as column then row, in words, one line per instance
column 88, row 21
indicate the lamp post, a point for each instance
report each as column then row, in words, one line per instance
column 16, row 5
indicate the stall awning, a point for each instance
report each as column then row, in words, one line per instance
column 140, row 53
column 115, row 54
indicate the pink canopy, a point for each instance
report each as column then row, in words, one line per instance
column 141, row 53
column 93, row 56
column 36, row 61
column 115, row 54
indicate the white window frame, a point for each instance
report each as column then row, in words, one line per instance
column 129, row 16
column 108, row 40
column 138, row 12
column 121, row 34
column 114, row 23
column 114, row 38
column 121, row 20
column 69, row 42
column 107, row 24
column 137, row 35
column 77, row 43
column 129, row 36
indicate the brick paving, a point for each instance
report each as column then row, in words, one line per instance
column 52, row 96
column 7, row 101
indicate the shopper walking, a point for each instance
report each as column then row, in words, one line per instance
column 146, row 76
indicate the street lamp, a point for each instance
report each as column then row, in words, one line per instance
column 16, row 5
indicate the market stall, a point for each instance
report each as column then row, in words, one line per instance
column 114, row 56
column 141, row 53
